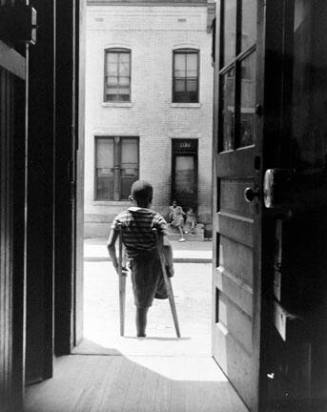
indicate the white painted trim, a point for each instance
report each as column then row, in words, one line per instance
column 124, row 105
column 195, row 46
column 186, row 105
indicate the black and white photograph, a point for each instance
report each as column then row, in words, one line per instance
column 163, row 206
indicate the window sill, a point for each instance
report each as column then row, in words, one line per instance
column 117, row 104
column 111, row 203
column 186, row 105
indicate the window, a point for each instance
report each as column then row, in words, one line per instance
column 186, row 76
column 237, row 74
column 116, row 166
column 117, row 77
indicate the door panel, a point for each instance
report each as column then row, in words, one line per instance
column 237, row 222
column 233, row 278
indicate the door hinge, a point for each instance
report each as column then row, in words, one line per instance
column 18, row 24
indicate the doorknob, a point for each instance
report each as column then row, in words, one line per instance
column 250, row 194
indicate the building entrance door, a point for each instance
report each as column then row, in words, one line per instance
column 184, row 172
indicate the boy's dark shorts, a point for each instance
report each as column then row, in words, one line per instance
column 147, row 279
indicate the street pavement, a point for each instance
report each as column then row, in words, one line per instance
column 192, row 291
column 198, row 251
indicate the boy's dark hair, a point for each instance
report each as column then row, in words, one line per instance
column 142, row 192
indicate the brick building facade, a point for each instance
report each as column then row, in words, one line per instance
column 149, row 82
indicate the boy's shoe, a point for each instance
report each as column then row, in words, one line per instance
column 181, row 239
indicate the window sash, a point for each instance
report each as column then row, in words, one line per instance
column 117, row 79
column 236, row 122
column 186, row 76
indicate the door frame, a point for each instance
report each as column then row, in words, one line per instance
column 40, row 205
column 69, row 165
column 55, row 260
column 13, row 66
column 80, row 161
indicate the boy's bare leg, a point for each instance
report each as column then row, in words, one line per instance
column 181, row 233
column 141, row 318
column 168, row 254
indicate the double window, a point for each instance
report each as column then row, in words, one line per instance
column 117, row 81
column 185, row 76
column 117, row 77
column 116, row 166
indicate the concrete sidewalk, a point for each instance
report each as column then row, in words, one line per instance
column 95, row 250
column 192, row 291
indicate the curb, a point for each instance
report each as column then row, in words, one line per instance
column 192, row 260
column 176, row 260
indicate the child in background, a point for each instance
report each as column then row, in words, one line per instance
column 176, row 218
column 137, row 224
column 190, row 220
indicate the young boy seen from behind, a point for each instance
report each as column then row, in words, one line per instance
column 137, row 224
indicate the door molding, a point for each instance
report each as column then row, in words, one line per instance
column 68, row 246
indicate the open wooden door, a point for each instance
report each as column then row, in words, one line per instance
column 237, row 203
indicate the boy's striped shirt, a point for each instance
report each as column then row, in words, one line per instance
column 137, row 224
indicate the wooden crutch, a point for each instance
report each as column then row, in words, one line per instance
column 122, row 283
column 167, row 283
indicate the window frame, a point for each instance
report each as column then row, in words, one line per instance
column 236, row 64
column 117, row 147
column 117, row 50
column 186, row 51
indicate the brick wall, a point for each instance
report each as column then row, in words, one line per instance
column 152, row 33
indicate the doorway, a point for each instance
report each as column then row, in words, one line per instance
column 136, row 129
column 185, row 172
